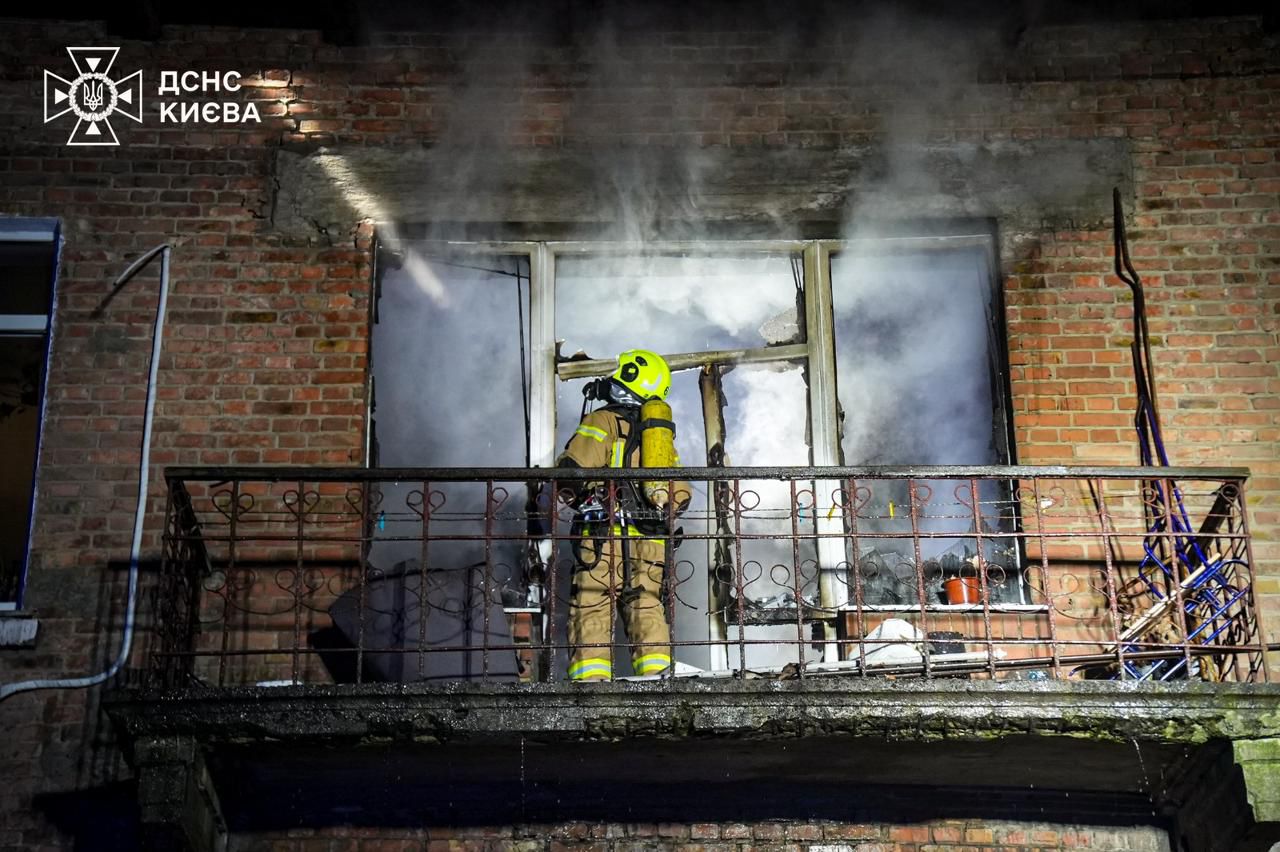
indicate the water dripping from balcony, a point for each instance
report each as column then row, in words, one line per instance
column 1142, row 764
column 523, row 812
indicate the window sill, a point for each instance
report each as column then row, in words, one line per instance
column 787, row 614
column 18, row 629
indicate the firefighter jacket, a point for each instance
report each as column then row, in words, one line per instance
column 608, row 437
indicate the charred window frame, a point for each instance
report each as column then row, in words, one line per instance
column 28, row 271
column 803, row 354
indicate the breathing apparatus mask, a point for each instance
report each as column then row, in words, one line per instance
column 611, row 392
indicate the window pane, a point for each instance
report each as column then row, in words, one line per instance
column 675, row 303
column 26, row 278
column 446, row 363
column 918, row 369
column 913, row 357
column 450, row 392
column 21, row 365
column 766, row 416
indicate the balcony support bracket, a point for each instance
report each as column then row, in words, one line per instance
column 179, row 806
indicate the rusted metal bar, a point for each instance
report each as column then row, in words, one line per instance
column 234, row 510
column 860, row 626
column 797, row 587
column 424, row 577
column 553, row 581
column 615, row 532
column 1263, row 647
column 739, row 578
column 1167, row 498
column 513, row 474
column 984, row 593
column 1113, row 605
column 166, row 628
column 299, row 567
column 914, row 503
column 489, row 508
column 669, row 575
column 1044, row 573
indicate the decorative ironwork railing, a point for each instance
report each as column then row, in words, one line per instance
column 305, row 575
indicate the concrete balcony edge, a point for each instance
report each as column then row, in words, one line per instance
column 1190, row 713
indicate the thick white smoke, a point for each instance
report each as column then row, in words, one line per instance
column 911, row 330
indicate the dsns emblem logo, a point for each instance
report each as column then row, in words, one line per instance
column 93, row 96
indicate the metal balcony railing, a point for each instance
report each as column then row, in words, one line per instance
column 317, row 576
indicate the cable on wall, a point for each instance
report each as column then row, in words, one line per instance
column 140, row 509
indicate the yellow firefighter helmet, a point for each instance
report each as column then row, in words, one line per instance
column 644, row 373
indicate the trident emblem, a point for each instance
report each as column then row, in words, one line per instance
column 93, row 96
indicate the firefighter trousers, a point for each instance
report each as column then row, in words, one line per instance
column 602, row 586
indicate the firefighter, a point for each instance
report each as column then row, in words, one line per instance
column 620, row 560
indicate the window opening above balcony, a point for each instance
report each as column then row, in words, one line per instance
column 922, row 376
column 812, row 344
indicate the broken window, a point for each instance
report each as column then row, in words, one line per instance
column 713, row 307
column 675, row 302
column 783, row 353
column 920, row 369
column 450, row 389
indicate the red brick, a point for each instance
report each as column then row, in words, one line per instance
column 804, row 832
column 1202, row 226
column 768, row 831
column 909, row 834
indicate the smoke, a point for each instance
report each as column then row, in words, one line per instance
column 670, row 303
column 912, row 329
column 448, row 393
column 913, row 356
column 915, row 328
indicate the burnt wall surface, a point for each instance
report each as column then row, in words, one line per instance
column 908, row 119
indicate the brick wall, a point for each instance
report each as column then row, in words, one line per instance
column 727, row 837
column 267, row 337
